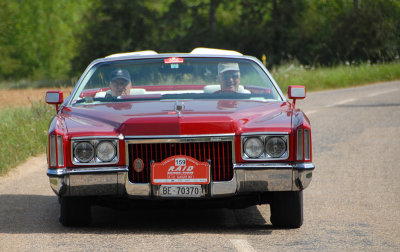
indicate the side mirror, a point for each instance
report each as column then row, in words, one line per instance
column 54, row 97
column 296, row 92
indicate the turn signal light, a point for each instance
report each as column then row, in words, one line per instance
column 303, row 144
column 56, row 151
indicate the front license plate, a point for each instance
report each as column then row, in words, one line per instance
column 180, row 170
column 180, row 191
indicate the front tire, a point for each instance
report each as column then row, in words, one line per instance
column 75, row 211
column 287, row 209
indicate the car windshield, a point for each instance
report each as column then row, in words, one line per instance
column 175, row 78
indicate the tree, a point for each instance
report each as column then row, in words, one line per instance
column 39, row 38
column 113, row 27
column 57, row 39
column 367, row 33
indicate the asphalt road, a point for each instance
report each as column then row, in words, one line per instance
column 352, row 204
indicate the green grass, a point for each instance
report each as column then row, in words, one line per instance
column 23, row 133
column 336, row 77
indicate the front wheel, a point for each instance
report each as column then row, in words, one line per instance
column 287, row 209
column 75, row 211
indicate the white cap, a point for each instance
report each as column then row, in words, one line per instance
column 223, row 67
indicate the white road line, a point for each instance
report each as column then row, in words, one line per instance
column 242, row 245
column 354, row 99
column 382, row 92
column 341, row 102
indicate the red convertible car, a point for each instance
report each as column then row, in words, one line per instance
column 209, row 127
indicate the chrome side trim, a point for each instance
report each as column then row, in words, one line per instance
column 296, row 166
column 304, row 166
column 68, row 171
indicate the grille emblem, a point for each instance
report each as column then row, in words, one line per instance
column 138, row 165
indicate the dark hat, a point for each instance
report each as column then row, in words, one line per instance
column 120, row 74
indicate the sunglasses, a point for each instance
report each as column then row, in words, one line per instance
column 120, row 82
column 228, row 76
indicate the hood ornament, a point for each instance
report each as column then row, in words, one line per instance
column 179, row 107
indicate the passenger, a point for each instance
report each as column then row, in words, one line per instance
column 229, row 77
column 120, row 83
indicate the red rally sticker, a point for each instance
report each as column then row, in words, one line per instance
column 173, row 60
column 182, row 170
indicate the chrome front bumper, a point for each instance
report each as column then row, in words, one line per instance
column 248, row 178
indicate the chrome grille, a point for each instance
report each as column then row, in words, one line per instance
column 218, row 154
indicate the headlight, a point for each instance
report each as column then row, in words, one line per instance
column 265, row 147
column 105, row 151
column 253, row 147
column 84, row 152
column 275, row 146
column 94, row 151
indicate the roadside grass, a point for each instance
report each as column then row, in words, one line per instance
column 22, row 84
column 23, row 133
column 334, row 77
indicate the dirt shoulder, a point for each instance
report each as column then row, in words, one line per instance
column 24, row 170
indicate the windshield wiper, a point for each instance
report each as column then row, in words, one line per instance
column 115, row 99
column 210, row 96
column 189, row 96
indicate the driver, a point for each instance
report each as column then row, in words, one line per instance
column 229, row 77
column 120, row 83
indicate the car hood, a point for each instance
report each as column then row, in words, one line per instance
column 191, row 117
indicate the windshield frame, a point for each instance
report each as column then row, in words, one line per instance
column 93, row 66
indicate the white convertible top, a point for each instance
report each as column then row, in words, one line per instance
column 138, row 53
column 203, row 50
column 199, row 50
